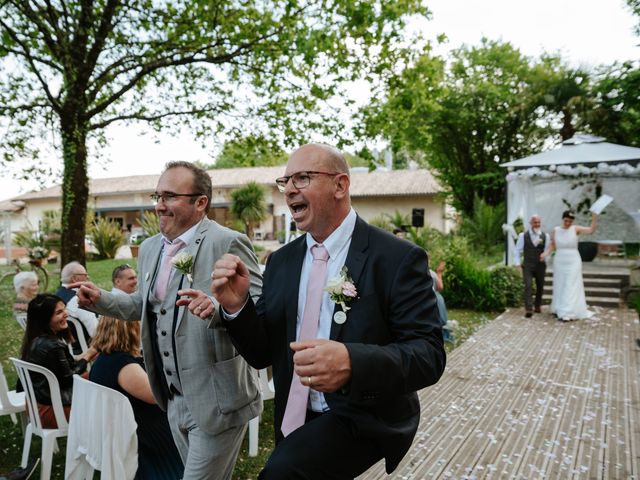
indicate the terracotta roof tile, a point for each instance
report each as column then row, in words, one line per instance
column 363, row 184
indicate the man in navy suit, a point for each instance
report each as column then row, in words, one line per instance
column 370, row 354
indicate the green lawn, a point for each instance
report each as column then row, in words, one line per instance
column 11, row 337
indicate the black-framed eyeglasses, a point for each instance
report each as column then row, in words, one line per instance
column 169, row 197
column 300, row 179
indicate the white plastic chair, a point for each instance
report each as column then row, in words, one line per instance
column 48, row 435
column 11, row 402
column 268, row 392
column 21, row 318
column 102, row 434
column 79, row 333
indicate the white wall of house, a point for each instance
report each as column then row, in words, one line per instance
column 368, row 207
column 434, row 211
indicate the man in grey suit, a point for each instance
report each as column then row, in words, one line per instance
column 208, row 390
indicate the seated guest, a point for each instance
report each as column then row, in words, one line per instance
column 74, row 272
column 45, row 343
column 124, row 279
column 119, row 366
column 26, row 285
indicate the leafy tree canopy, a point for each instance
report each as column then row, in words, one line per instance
column 250, row 151
column 462, row 119
column 615, row 112
column 72, row 68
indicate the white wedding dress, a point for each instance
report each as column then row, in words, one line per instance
column 568, row 301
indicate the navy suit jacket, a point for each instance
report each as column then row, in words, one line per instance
column 392, row 334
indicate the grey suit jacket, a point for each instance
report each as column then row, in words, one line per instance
column 220, row 388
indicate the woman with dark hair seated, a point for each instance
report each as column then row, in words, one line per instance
column 45, row 343
column 119, row 366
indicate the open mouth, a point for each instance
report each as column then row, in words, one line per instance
column 298, row 207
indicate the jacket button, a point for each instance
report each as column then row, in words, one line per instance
column 169, row 373
column 163, row 333
column 163, row 311
column 166, row 354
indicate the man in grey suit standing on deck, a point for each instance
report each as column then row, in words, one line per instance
column 208, row 390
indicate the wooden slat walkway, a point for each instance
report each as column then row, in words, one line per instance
column 533, row 399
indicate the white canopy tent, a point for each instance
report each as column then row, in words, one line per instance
column 572, row 177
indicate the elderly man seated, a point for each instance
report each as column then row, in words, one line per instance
column 75, row 272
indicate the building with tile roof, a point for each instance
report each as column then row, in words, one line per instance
column 124, row 199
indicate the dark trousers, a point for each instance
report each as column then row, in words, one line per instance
column 529, row 273
column 324, row 448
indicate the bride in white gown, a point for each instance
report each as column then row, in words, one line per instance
column 568, row 302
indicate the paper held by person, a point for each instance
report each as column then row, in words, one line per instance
column 600, row 204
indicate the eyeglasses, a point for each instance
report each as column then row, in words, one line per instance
column 170, row 197
column 300, row 179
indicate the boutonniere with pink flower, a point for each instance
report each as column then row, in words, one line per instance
column 183, row 262
column 341, row 289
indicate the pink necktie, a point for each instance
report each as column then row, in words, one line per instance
column 296, row 411
column 162, row 279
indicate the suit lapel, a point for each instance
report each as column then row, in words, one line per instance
column 292, row 287
column 356, row 259
column 191, row 249
column 151, row 265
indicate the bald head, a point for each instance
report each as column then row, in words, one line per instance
column 535, row 222
column 325, row 155
column 318, row 192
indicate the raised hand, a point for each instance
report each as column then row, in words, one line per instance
column 323, row 365
column 87, row 293
column 198, row 303
column 231, row 281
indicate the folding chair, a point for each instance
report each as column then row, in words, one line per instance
column 48, row 435
column 11, row 402
column 268, row 392
column 102, row 434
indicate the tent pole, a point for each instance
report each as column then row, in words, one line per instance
column 506, row 236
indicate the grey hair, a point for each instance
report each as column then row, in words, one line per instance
column 22, row 278
column 69, row 270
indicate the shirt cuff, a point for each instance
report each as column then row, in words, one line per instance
column 232, row 316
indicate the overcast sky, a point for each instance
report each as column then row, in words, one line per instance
column 585, row 32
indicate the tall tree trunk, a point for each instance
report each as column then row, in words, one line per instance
column 75, row 190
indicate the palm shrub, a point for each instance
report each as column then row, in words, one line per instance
column 107, row 237
column 150, row 223
column 467, row 286
column 382, row 221
column 248, row 205
column 398, row 220
column 484, row 227
column 28, row 239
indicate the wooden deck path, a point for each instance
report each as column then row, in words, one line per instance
column 533, row 399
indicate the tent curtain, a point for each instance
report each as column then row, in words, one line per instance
column 549, row 197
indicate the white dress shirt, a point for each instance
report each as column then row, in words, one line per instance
column 337, row 244
column 535, row 238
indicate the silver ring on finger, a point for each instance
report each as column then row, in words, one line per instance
column 309, row 380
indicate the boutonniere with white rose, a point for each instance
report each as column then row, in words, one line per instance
column 183, row 262
column 341, row 289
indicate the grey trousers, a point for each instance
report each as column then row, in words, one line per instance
column 530, row 273
column 204, row 456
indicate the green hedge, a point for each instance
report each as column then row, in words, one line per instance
column 468, row 286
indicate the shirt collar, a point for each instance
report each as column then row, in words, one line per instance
column 335, row 242
column 186, row 237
